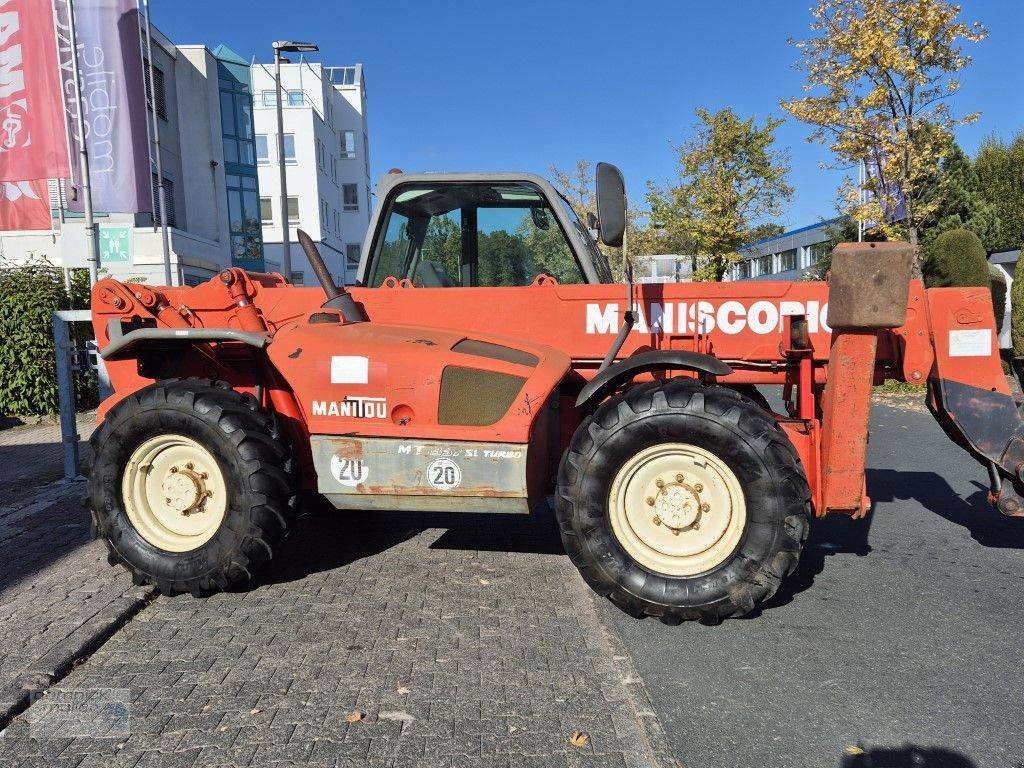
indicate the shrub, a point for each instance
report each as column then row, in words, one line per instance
column 29, row 295
column 956, row 258
column 998, row 287
column 1017, row 308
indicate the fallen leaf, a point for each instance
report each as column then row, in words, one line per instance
column 354, row 717
column 222, row 728
column 579, row 739
column 852, row 749
column 402, row 690
column 207, row 707
column 485, row 582
column 255, row 711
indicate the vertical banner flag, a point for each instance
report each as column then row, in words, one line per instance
column 113, row 101
column 32, row 142
column 24, row 205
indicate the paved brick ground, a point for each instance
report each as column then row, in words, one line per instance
column 457, row 652
column 58, row 597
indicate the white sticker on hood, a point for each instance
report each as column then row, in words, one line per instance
column 974, row 343
column 349, row 369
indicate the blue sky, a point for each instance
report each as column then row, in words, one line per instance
column 465, row 85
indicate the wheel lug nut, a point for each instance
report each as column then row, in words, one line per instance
column 203, row 476
column 705, row 507
column 698, row 487
column 650, row 501
column 675, row 531
column 167, row 501
column 660, row 483
column 174, row 470
column 679, row 477
column 657, row 520
column 190, row 465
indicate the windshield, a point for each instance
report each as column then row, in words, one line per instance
column 472, row 234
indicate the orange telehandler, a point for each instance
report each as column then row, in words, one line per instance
column 487, row 362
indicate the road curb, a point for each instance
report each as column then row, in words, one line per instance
column 58, row 661
column 651, row 748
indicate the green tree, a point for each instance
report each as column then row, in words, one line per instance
column 997, row 281
column 1017, row 309
column 879, row 74
column 955, row 201
column 443, row 244
column 730, row 180
column 1000, row 170
column 956, row 258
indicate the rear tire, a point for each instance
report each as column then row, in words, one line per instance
column 720, row 549
column 193, row 487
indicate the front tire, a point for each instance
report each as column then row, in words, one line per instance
column 191, row 486
column 682, row 501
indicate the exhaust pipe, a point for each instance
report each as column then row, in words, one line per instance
column 337, row 298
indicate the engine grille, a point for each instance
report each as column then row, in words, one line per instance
column 475, row 398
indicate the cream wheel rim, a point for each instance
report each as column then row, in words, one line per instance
column 174, row 493
column 677, row 509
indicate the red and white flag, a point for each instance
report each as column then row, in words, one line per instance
column 25, row 205
column 33, row 144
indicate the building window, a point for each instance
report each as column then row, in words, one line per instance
column 298, row 278
column 289, row 147
column 245, row 212
column 159, row 92
column 764, row 265
column 743, row 270
column 295, row 99
column 348, row 144
column 352, row 251
column 350, row 197
column 341, row 75
column 323, row 213
column 236, row 123
column 269, row 98
column 266, row 210
column 293, row 210
column 262, row 149
column 168, row 201
column 787, row 260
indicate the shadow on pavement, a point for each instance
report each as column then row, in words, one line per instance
column 326, row 538
column 832, row 535
column 909, row 756
column 986, row 526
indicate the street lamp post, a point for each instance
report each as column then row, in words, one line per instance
column 285, row 46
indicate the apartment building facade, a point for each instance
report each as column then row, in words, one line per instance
column 326, row 153
column 203, row 108
column 788, row 256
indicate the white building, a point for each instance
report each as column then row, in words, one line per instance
column 788, row 256
column 208, row 163
column 327, row 157
column 663, row 268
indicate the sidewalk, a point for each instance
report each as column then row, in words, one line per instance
column 58, row 596
column 376, row 640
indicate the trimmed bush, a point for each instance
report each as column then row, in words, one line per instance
column 998, row 287
column 1017, row 308
column 956, row 258
column 29, row 295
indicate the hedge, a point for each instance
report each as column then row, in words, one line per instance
column 1017, row 308
column 998, row 287
column 29, row 295
column 956, row 258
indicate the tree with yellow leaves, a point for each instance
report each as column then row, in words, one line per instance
column 880, row 74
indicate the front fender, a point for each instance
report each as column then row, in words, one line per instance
column 645, row 362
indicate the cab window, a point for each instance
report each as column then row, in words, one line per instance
column 471, row 234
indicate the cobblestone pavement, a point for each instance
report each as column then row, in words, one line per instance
column 58, row 597
column 461, row 640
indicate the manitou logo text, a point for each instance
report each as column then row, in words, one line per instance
column 761, row 317
column 353, row 407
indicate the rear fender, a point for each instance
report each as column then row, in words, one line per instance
column 647, row 362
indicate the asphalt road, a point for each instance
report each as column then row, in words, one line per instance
column 896, row 643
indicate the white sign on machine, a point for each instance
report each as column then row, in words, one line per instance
column 970, row 343
column 350, row 369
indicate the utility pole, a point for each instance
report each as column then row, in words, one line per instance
column 91, row 232
column 281, row 46
column 161, row 190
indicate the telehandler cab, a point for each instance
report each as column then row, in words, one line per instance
column 487, row 362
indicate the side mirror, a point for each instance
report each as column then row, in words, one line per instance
column 611, row 205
